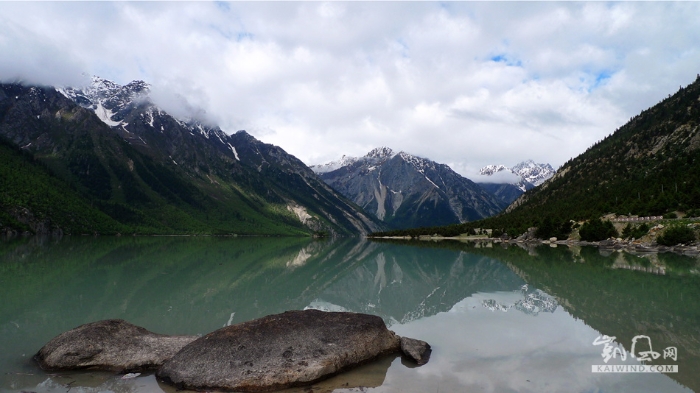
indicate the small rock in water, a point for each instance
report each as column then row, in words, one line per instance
column 130, row 375
column 112, row 345
column 417, row 350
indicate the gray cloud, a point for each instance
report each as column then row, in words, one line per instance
column 463, row 83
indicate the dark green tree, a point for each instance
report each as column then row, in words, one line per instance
column 596, row 229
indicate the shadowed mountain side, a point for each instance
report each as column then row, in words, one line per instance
column 506, row 193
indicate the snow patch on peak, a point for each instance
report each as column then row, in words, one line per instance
column 526, row 172
column 333, row 165
column 418, row 162
column 106, row 115
column 533, row 172
column 489, row 170
column 150, row 117
column 380, row 152
column 235, row 153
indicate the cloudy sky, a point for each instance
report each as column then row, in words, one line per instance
column 463, row 83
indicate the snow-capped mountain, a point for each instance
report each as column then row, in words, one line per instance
column 108, row 100
column 377, row 155
column 122, row 107
column 489, row 170
column 529, row 174
column 190, row 175
column 333, row 165
column 406, row 191
column 532, row 172
column 526, row 175
column 529, row 171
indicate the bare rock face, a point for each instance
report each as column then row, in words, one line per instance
column 278, row 351
column 112, row 344
column 418, row 350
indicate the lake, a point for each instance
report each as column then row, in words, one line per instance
column 499, row 318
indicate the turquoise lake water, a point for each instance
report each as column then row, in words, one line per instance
column 499, row 319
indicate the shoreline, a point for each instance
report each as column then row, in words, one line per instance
column 632, row 247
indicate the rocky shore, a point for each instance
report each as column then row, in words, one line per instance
column 647, row 244
column 630, row 246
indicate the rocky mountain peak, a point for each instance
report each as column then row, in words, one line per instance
column 108, row 99
column 106, row 91
column 380, row 152
column 333, row 165
column 124, row 106
column 533, row 172
column 244, row 134
column 405, row 190
column 489, row 170
column 419, row 163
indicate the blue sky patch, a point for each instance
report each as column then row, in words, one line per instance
column 223, row 6
column 501, row 58
column 599, row 79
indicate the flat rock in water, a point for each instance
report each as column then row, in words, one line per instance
column 113, row 344
column 278, row 351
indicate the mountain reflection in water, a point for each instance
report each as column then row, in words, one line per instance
column 453, row 295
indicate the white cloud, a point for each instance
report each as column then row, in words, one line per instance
column 464, row 83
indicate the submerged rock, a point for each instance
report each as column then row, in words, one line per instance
column 278, row 351
column 418, row 350
column 113, row 344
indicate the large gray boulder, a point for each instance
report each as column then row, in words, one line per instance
column 112, row 344
column 278, row 351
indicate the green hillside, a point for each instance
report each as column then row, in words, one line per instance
column 34, row 199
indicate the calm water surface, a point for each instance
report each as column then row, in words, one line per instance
column 499, row 319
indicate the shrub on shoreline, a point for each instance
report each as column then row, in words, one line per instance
column 676, row 235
